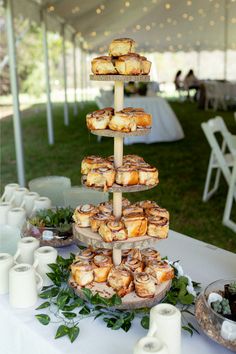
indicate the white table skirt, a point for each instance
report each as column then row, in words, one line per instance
column 165, row 125
column 21, row 333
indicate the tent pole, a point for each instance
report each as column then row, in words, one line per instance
column 66, row 113
column 82, row 75
column 15, row 94
column 226, row 39
column 75, row 76
column 47, row 76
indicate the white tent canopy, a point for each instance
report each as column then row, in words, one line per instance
column 157, row 25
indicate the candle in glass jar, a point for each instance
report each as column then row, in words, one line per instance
column 165, row 324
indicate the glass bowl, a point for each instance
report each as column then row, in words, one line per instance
column 216, row 326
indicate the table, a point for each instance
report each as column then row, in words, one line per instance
column 20, row 333
column 165, row 124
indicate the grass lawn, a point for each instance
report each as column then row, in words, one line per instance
column 182, row 165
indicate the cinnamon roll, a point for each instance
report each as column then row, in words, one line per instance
column 113, row 230
column 134, row 265
column 122, row 122
column 161, row 270
column 149, row 254
column 158, row 212
column 91, row 162
column 85, row 255
column 127, row 176
column 121, row 46
column 145, row 66
column 131, row 209
column 105, row 207
column 103, row 66
column 125, row 202
column 121, row 280
column 158, row 227
column 82, row 272
column 103, row 264
column 142, row 119
column 129, row 64
column 148, row 175
column 82, row 214
column 132, row 159
column 104, row 251
column 146, row 204
column 132, row 253
column 136, row 224
column 98, row 219
column 144, row 285
column 101, row 177
column 99, row 119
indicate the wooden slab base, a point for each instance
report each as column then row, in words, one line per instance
column 112, row 133
column 85, row 235
column 124, row 78
column 129, row 301
column 120, row 189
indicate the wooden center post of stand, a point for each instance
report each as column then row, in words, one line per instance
column 118, row 161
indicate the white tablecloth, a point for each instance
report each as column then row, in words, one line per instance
column 165, row 125
column 21, row 333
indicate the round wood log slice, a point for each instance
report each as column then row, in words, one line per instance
column 129, row 301
column 113, row 133
column 124, row 78
column 85, row 235
column 116, row 188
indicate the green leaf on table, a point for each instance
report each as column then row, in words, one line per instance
column 62, row 300
column 43, row 319
column 145, row 322
column 43, row 305
column 55, row 267
column 87, row 293
column 115, row 300
column 110, row 321
column 85, row 311
column 186, row 299
column 187, row 329
column 126, row 326
column 54, row 278
column 69, row 315
column 193, row 328
column 98, row 315
column 62, row 331
column 52, row 292
column 73, row 305
column 118, row 324
column 73, row 333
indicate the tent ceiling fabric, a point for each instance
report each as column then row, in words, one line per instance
column 156, row 25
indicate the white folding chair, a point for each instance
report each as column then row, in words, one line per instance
column 223, row 162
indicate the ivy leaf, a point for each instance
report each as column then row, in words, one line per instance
column 187, row 329
column 98, row 315
column 69, row 315
column 126, row 326
column 193, row 328
column 110, row 321
column 77, row 303
column 55, row 278
column 62, row 299
column 87, row 293
column 43, row 305
column 73, row 333
column 118, row 324
column 145, row 322
column 54, row 267
column 115, row 300
column 43, row 319
column 49, row 293
column 85, row 311
column 62, row 331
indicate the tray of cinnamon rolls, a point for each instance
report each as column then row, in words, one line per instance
column 121, row 60
column 128, row 121
column 134, row 175
column 139, row 222
column 142, row 278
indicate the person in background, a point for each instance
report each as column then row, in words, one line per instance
column 177, row 81
column 191, row 82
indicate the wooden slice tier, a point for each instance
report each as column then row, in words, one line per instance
column 123, row 78
column 85, row 235
column 113, row 134
column 116, row 188
column 129, row 301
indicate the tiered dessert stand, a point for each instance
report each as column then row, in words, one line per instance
column 94, row 239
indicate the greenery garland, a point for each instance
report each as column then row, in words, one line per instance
column 64, row 307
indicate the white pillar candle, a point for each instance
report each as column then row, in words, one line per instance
column 41, row 203
column 4, row 209
column 16, row 217
column 18, row 196
column 150, row 345
column 28, row 202
column 165, row 324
